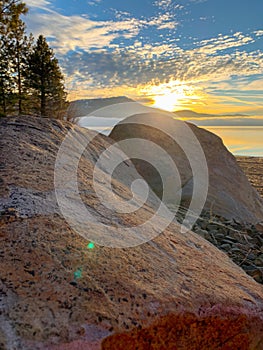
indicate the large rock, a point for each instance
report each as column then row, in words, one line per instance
column 229, row 192
column 174, row 292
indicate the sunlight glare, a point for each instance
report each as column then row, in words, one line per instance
column 173, row 95
column 167, row 102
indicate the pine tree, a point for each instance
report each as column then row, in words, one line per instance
column 10, row 10
column 6, row 9
column 45, row 79
column 20, row 48
column 13, row 50
column 27, row 71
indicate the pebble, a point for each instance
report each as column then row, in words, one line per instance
column 211, row 227
column 259, row 227
column 242, row 243
column 225, row 246
column 201, row 232
column 227, row 241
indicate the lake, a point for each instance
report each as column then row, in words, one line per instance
column 241, row 140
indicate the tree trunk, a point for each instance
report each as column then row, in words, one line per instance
column 43, row 92
column 4, row 104
column 43, row 102
column 3, row 98
column 19, row 86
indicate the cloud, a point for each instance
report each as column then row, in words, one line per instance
column 213, row 45
column 256, row 85
column 168, row 5
column 69, row 33
column 258, row 32
column 147, row 64
column 163, row 21
column 163, row 3
column 75, row 32
column 94, row 2
column 38, row 3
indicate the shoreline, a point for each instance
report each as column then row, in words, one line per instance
column 253, row 168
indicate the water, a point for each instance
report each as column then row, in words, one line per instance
column 241, row 140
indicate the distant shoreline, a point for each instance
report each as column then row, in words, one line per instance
column 240, row 141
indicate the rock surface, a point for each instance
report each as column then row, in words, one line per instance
column 174, row 292
column 230, row 194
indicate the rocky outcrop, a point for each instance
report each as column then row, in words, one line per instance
column 60, row 291
column 229, row 193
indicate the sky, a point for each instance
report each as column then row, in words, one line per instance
column 200, row 55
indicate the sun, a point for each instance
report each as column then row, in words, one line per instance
column 172, row 95
column 168, row 102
